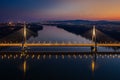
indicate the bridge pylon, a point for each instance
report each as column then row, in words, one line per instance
column 24, row 38
column 94, row 48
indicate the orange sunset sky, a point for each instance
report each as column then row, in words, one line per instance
column 35, row 10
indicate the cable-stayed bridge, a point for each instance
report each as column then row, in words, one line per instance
column 93, row 33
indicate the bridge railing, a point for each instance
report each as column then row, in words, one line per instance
column 59, row 42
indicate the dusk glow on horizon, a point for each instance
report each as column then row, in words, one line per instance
column 36, row 10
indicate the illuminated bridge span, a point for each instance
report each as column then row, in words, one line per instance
column 58, row 45
column 93, row 44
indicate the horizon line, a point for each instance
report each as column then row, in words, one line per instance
column 20, row 21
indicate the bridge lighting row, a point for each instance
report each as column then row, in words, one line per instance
column 5, row 56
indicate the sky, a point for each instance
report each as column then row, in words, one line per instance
column 37, row 10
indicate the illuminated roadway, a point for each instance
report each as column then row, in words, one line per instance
column 59, row 45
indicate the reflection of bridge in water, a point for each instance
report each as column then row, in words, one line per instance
column 93, row 43
column 38, row 56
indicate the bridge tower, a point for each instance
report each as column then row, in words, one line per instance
column 24, row 37
column 94, row 48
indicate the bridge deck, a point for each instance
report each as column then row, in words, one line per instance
column 57, row 45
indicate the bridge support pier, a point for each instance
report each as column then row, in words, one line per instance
column 94, row 49
column 24, row 48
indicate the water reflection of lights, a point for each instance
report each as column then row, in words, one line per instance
column 28, row 57
column 44, row 56
column 49, row 56
column 24, row 66
column 63, row 57
column 56, row 57
column 38, row 57
column 93, row 66
column 69, row 56
column 14, row 57
column 5, row 55
column 74, row 56
column 2, row 57
column 80, row 56
column 33, row 56
column 119, row 56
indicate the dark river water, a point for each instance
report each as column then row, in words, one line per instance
column 59, row 67
column 57, row 63
column 54, row 34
